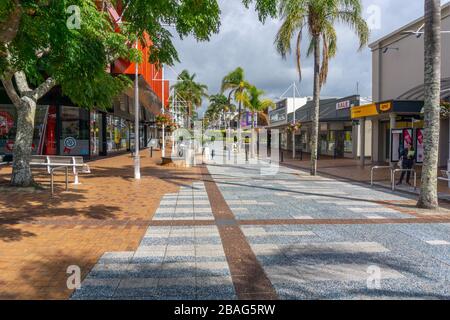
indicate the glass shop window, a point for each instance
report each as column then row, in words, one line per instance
column 75, row 133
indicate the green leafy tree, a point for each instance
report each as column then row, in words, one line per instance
column 191, row 92
column 44, row 44
column 428, row 198
column 237, row 86
column 318, row 18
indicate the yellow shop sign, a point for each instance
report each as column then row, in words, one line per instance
column 364, row 111
column 384, row 107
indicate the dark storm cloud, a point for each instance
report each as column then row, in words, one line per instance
column 244, row 41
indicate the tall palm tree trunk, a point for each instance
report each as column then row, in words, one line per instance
column 428, row 192
column 316, row 99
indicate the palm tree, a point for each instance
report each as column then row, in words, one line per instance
column 219, row 108
column 256, row 105
column 191, row 92
column 319, row 18
column 428, row 198
column 237, row 86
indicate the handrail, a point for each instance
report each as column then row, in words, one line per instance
column 404, row 170
column 372, row 170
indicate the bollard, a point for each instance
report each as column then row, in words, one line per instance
column 151, row 152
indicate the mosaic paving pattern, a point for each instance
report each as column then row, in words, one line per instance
column 171, row 263
column 333, row 262
column 190, row 203
column 300, row 260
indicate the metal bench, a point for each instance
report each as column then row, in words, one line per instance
column 445, row 176
column 53, row 163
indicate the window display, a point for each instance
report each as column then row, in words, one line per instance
column 8, row 117
column 348, row 142
column 96, row 133
column 74, row 138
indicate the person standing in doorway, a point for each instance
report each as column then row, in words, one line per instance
column 407, row 160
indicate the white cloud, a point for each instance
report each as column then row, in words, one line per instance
column 244, row 41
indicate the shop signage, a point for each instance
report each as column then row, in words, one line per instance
column 278, row 115
column 384, row 107
column 70, row 143
column 343, row 105
column 364, row 111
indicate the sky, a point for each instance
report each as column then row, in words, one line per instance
column 245, row 42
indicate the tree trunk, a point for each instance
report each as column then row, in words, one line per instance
column 428, row 198
column 315, row 114
column 21, row 175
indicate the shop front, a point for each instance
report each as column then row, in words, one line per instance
column 338, row 134
column 72, row 131
column 395, row 124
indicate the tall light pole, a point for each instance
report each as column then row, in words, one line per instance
column 163, row 149
column 293, row 131
column 137, row 159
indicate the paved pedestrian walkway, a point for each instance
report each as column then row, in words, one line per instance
column 351, row 170
column 41, row 236
column 240, row 234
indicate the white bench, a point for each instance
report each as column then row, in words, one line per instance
column 445, row 176
column 53, row 163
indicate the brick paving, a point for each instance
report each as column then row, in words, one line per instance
column 234, row 231
column 41, row 236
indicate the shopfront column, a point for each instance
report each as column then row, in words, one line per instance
column 362, row 143
column 393, row 125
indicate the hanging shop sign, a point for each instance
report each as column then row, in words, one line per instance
column 364, row 111
column 419, row 146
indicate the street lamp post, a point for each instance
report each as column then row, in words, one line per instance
column 293, row 131
column 137, row 160
column 163, row 148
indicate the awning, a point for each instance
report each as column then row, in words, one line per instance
column 386, row 107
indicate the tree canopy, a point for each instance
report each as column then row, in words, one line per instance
column 43, row 46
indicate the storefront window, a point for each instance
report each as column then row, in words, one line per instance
column 131, row 124
column 75, row 135
column 331, row 142
column 323, row 143
column 109, row 133
column 7, row 128
column 125, row 135
column 348, row 142
column 8, row 117
column 96, row 133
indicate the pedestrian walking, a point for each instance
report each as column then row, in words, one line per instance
column 407, row 162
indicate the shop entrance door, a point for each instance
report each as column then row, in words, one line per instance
column 340, row 144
